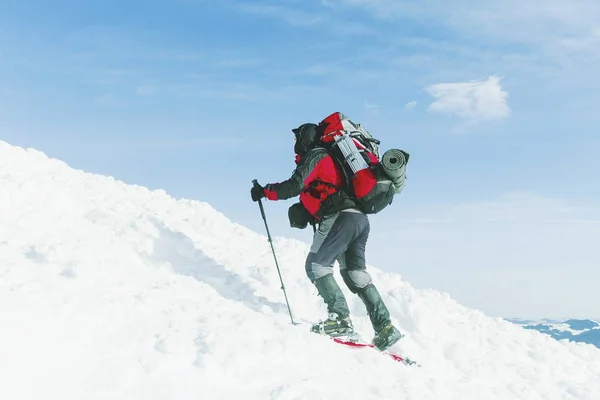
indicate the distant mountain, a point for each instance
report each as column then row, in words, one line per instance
column 575, row 330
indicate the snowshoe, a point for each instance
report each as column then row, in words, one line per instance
column 387, row 337
column 334, row 326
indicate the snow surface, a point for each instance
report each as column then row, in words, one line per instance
column 112, row 291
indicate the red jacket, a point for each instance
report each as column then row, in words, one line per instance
column 315, row 179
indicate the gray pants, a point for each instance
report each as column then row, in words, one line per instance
column 343, row 237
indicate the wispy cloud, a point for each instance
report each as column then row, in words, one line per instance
column 215, row 89
column 371, row 106
column 556, row 41
column 180, row 143
column 473, row 101
column 319, row 69
column 412, row 104
column 306, row 15
column 147, row 90
column 238, row 63
column 586, row 43
column 544, row 23
column 350, row 28
column 111, row 100
column 293, row 16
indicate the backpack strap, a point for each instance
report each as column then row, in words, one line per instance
column 317, row 182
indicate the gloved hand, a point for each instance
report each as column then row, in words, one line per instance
column 257, row 192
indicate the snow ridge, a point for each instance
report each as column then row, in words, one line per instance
column 113, row 291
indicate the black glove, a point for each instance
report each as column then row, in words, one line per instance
column 257, row 192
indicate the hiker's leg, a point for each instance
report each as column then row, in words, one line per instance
column 355, row 275
column 328, row 243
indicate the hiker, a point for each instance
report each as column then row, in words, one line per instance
column 342, row 234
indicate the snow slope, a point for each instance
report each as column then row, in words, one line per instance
column 111, row 291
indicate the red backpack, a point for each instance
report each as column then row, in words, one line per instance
column 372, row 181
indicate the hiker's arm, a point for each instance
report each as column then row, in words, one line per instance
column 294, row 185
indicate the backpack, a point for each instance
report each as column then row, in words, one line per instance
column 370, row 180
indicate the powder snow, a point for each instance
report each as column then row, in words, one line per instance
column 113, row 291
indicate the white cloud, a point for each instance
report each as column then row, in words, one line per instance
column 371, row 105
column 473, row 101
column 412, row 104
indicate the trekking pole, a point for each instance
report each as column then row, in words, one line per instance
column 262, row 212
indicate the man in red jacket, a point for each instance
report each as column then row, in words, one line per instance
column 342, row 235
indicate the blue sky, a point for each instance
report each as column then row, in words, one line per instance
column 497, row 104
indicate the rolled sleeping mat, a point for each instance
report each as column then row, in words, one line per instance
column 393, row 164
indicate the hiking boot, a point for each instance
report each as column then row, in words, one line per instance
column 376, row 309
column 334, row 326
column 387, row 337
